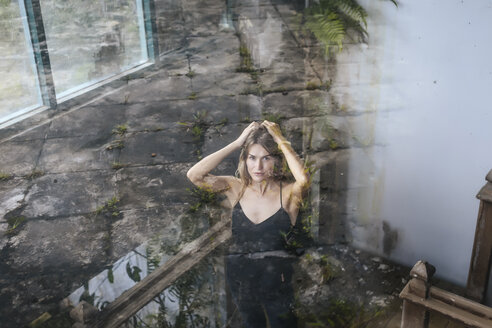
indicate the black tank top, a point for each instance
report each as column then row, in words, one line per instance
column 248, row 237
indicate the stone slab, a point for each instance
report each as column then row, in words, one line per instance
column 284, row 75
column 297, row 130
column 219, row 54
column 153, row 89
column 76, row 154
column 248, row 10
column 215, row 140
column 203, row 4
column 298, row 103
column 151, row 148
column 175, row 63
column 35, row 132
column 333, row 166
column 220, row 84
column 96, row 120
column 204, row 21
column 138, row 226
column 229, row 109
column 12, row 193
column 331, row 132
column 158, row 116
column 73, row 241
column 19, row 158
column 152, row 186
column 25, row 125
column 68, row 194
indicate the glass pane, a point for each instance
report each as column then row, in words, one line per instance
column 18, row 89
column 92, row 40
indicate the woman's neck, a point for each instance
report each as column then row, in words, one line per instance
column 263, row 186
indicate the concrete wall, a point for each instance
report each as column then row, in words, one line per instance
column 420, row 88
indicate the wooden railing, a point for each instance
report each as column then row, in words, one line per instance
column 420, row 298
column 478, row 276
column 132, row 300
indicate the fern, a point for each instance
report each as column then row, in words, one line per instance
column 331, row 21
column 328, row 29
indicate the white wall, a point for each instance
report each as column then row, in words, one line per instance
column 424, row 83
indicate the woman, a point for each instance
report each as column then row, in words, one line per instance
column 263, row 204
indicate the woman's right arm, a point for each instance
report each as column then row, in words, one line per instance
column 200, row 175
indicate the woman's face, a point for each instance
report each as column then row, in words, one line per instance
column 260, row 163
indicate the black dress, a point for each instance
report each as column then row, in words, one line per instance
column 259, row 271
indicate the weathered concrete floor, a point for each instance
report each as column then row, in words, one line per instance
column 131, row 146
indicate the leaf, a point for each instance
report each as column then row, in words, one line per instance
column 111, row 275
column 133, row 272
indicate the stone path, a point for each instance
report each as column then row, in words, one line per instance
column 132, row 144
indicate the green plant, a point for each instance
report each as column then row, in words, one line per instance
column 14, row 224
column 126, row 99
column 246, row 62
column 120, row 129
column 245, row 119
column 190, row 74
column 116, row 144
column 331, row 21
column 198, row 126
column 203, row 196
column 192, row 96
column 110, row 208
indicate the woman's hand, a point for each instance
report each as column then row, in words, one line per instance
column 274, row 131
column 244, row 135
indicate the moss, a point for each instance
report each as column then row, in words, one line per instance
column 192, row 96
column 312, row 86
column 328, row 271
column 34, row 174
column 117, row 165
column 275, row 118
column 333, row 144
column 5, row 176
column 339, row 313
column 190, row 74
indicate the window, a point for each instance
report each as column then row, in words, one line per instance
column 54, row 48
column 19, row 90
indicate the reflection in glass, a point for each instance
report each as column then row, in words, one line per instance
column 91, row 40
column 19, row 89
column 195, row 299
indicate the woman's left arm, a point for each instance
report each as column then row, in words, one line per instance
column 295, row 164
